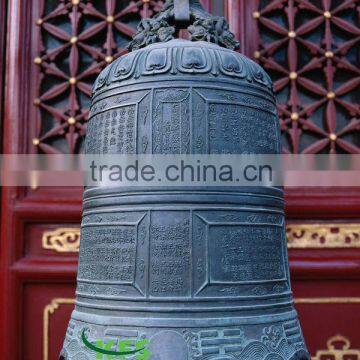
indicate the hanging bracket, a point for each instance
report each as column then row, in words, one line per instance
column 182, row 12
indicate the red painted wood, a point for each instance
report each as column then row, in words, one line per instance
column 36, row 296
column 323, row 203
column 3, row 11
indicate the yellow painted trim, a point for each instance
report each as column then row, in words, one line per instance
column 48, row 310
column 63, row 240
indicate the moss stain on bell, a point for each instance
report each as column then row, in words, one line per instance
column 194, row 275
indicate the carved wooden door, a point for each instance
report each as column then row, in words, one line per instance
column 54, row 51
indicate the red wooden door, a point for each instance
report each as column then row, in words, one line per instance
column 55, row 49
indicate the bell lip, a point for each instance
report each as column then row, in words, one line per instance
column 301, row 355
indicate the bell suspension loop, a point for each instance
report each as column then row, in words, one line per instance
column 181, row 13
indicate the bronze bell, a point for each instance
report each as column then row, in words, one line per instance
column 169, row 274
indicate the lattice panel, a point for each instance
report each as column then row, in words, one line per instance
column 78, row 39
column 311, row 51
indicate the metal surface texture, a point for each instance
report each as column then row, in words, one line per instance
column 200, row 273
column 182, row 11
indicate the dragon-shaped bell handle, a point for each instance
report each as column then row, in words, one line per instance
column 178, row 14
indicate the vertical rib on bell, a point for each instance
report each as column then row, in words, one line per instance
column 187, row 274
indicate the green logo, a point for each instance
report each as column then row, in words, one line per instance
column 125, row 348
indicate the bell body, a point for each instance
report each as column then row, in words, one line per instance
column 201, row 274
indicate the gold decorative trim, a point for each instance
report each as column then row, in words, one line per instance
column 332, row 351
column 338, row 354
column 336, row 351
column 302, row 236
column 328, row 300
column 62, row 240
column 48, row 310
